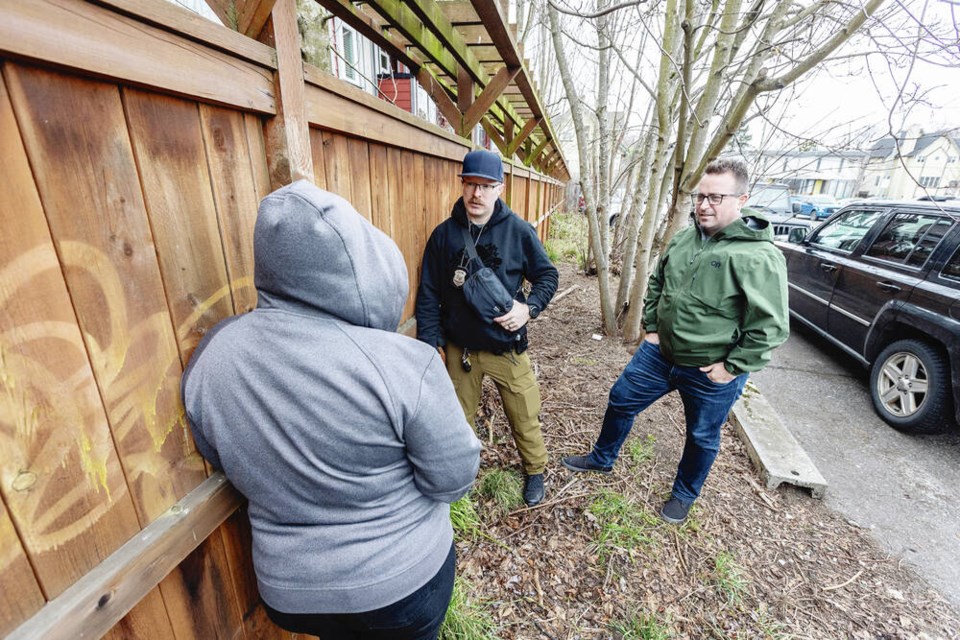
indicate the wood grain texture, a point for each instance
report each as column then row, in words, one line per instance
column 61, row 477
column 287, row 134
column 169, row 147
column 235, row 193
column 20, row 595
column 84, row 36
column 77, row 139
column 317, row 145
column 338, row 110
column 96, row 602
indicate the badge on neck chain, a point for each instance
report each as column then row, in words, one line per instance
column 459, row 277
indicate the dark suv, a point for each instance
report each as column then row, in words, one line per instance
column 882, row 281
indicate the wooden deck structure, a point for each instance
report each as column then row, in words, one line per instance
column 136, row 140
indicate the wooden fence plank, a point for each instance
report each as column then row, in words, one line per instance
column 95, row 40
column 76, row 135
column 258, row 154
column 381, row 202
column 20, row 595
column 167, row 142
column 61, row 477
column 317, row 144
column 336, row 157
column 359, row 159
column 92, row 605
column 236, row 198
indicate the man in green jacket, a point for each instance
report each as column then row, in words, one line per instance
column 715, row 308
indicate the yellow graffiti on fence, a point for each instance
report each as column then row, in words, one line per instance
column 70, row 401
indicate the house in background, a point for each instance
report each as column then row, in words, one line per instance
column 812, row 171
column 915, row 164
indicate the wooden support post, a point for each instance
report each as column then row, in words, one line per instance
column 486, row 99
column 92, row 605
column 528, row 128
column 287, row 135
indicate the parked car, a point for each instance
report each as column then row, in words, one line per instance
column 822, row 206
column 773, row 201
column 881, row 280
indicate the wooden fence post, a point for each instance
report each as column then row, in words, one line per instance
column 287, row 135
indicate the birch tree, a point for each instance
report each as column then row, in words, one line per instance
column 705, row 66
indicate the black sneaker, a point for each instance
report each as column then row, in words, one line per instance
column 674, row 511
column 533, row 490
column 582, row 463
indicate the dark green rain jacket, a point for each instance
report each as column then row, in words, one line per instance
column 720, row 298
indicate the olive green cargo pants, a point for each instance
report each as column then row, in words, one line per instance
column 519, row 391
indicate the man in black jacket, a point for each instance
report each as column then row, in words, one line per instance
column 470, row 346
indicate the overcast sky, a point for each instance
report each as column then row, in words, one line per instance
column 856, row 93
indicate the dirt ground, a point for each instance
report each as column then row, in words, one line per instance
column 749, row 563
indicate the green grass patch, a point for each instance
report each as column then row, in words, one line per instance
column 728, row 578
column 568, row 239
column 503, row 487
column 640, row 450
column 466, row 619
column 463, row 516
column 642, row 626
column 623, row 525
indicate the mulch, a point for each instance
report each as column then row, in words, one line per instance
column 749, row 563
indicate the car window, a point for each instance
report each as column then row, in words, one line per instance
column 846, row 232
column 952, row 268
column 909, row 238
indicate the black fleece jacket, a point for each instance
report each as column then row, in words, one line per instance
column 510, row 247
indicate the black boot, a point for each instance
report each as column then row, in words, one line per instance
column 533, row 490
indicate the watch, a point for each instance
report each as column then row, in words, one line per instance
column 534, row 310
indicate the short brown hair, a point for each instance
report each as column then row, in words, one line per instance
column 736, row 166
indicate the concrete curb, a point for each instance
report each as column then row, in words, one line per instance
column 772, row 448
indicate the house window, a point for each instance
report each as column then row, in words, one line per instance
column 347, row 59
column 930, row 181
column 383, row 61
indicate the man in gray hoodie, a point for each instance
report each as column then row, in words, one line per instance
column 346, row 437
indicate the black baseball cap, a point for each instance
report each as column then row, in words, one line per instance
column 482, row 164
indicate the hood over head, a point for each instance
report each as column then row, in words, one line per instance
column 314, row 254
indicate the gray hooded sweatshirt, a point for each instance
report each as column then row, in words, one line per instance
column 346, row 437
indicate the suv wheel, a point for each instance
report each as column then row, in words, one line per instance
column 910, row 386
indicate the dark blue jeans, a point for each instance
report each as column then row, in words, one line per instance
column 648, row 377
column 415, row 617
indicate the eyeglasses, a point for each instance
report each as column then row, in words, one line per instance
column 482, row 188
column 714, row 198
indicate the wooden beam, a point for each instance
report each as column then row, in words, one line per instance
column 489, row 95
column 287, row 135
column 371, row 28
column 494, row 135
column 465, row 89
column 172, row 17
column 92, row 605
column 460, row 12
column 253, row 16
column 440, row 96
column 528, row 128
column 333, row 104
column 70, row 33
column 536, row 152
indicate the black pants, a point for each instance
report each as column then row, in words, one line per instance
column 416, row 617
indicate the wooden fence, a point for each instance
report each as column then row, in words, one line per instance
column 135, row 143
